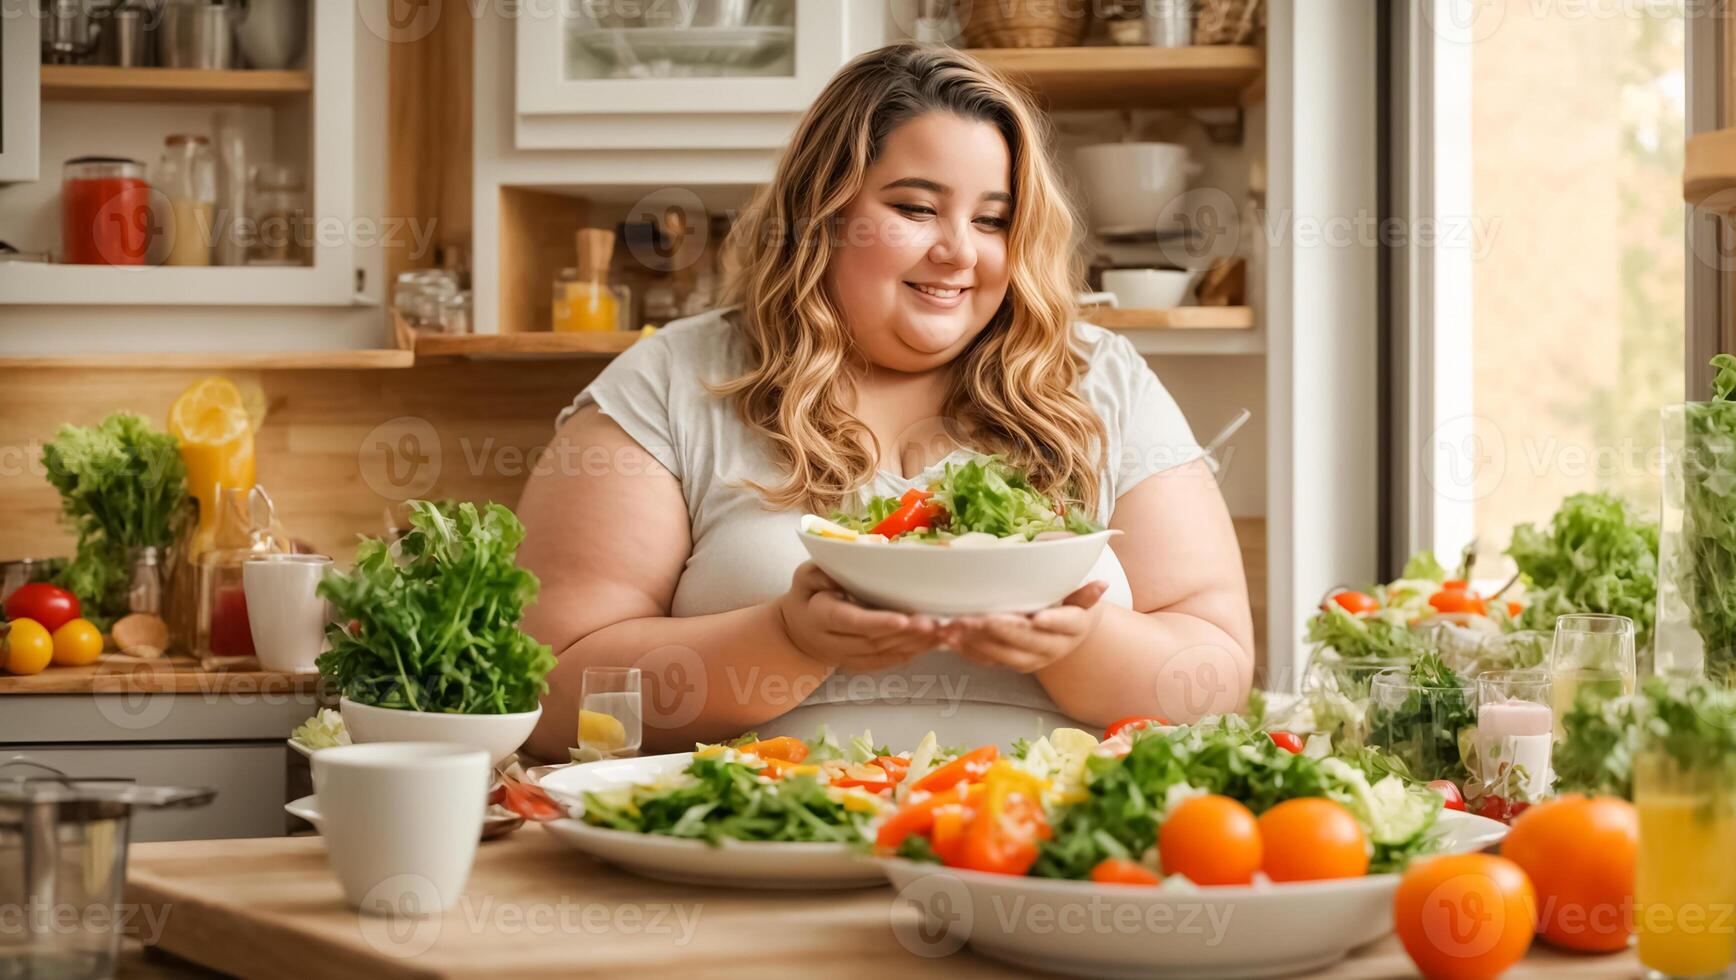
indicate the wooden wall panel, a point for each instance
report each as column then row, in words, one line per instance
column 429, row 145
column 538, row 238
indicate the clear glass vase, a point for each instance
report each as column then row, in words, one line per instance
column 1696, row 629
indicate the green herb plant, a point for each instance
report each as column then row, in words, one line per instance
column 431, row 623
column 1708, row 570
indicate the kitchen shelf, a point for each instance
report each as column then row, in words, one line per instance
column 1170, row 341
column 31, row 284
column 498, row 346
column 1115, row 76
column 1709, row 170
column 1179, row 318
column 98, row 83
column 298, row 360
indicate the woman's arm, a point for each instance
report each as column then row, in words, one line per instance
column 607, row 534
column 1185, row 649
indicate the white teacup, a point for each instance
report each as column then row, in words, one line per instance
column 287, row 617
column 401, row 822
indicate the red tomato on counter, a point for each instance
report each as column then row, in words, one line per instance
column 50, row 605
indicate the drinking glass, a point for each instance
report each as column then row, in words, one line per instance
column 1514, row 733
column 1592, row 661
column 1685, row 869
column 1420, row 722
column 1337, row 692
column 610, row 713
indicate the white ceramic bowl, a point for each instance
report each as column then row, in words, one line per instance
column 1148, row 289
column 1084, row 929
column 1131, row 187
column 498, row 735
column 1012, row 578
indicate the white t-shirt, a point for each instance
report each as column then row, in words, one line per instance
column 745, row 553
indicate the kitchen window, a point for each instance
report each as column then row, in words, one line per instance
column 1539, row 331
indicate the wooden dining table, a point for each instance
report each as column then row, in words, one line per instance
column 272, row 909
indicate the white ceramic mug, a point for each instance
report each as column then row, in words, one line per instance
column 401, row 822
column 287, row 617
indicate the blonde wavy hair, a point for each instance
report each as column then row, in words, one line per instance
column 1012, row 390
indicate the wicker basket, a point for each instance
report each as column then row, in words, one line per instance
column 1024, row 23
column 1229, row 21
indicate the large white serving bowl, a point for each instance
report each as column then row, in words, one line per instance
column 733, row 864
column 920, row 578
column 498, row 735
column 1085, row 929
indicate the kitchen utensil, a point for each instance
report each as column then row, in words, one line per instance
column 246, row 528
column 70, row 35
column 145, row 588
column 1224, row 284
column 105, row 211
column 997, row 24
column 1096, row 299
column 401, row 822
column 1016, row 577
column 497, row 821
column 669, row 13
column 195, row 34
column 273, row 33
column 1132, row 187
column 1169, row 23
column 1149, row 289
column 729, row 864
column 1266, row 929
column 63, row 859
column 125, row 38
column 286, row 617
column 1210, row 449
column 499, row 736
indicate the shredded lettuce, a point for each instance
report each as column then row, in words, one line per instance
column 985, row 496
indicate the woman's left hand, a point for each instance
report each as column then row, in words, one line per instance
column 1028, row 643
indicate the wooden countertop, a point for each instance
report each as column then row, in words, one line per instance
column 166, row 675
column 271, row 908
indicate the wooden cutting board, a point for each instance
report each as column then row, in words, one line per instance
column 272, row 909
column 165, row 675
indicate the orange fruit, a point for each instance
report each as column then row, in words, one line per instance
column 1465, row 916
column 1579, row 853
column 1212, row 840
column 1312, row 838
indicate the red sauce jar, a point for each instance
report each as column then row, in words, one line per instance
column 105, row 211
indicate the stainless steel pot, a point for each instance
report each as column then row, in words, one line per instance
column 21, row 571
column 63, row 862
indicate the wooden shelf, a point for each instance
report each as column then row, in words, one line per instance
column 1709, row 170
column 99, row 83
column 1114, row 76
column 318, row 360
column 1179, row 318
column 496, row 346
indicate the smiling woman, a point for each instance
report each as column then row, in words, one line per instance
column 899, row 302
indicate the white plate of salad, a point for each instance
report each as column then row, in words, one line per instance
column 978, row 539
column 1095, row 883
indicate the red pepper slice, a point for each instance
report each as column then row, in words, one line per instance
column 915, row 511
column 1288, row 741
column 966, row 768
column 1131, row 721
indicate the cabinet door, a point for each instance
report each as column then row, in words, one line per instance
column 20, row 55
column 696, row 87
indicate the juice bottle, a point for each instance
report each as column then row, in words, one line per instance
column 213, row 424
column 584, row 299
column 1685, row 880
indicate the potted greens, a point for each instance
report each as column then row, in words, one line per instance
column 1697, row 551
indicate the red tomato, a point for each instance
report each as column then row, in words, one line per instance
column 50, row 605
column 1580, row 854
column 1131, row 721
column 1288, row 741
column 1311, row 838
column 1212, row 840
column 966, row 768
column 1451, row 798
column 1515, row 608
column 1501, row 808
column 1468, row 916
column 1116, row 871
column 1355, row 602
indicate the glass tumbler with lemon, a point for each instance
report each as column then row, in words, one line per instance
column 610, row 713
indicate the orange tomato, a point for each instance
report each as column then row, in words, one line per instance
column 1579, row 854
column 1312, row 838
column 1119, row 871
column 76, row 643
column 783, row 747
column 1212, row 840
column 1465, row 916
column 1356, row 602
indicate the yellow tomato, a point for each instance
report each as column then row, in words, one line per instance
column 28, row 648
column 76, row 643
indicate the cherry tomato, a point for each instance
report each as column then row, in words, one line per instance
column 1451, row 798
column 1451, row 600
column 1502, row 809
column 49, row 605
column 1311, row 838
column 1579, row 853
column 783, row 747
column 966, row 768
column 1465, row 915
column 28, row 647
column 1211, row 840
column 1118, row 871
column 1355, row 603
column 1515, row 608
column 77, row 643
column 1288, row 741
column 1131, row 721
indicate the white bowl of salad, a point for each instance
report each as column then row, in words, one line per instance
column 979, row 539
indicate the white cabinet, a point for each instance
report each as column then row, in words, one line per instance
column 20, row 53
column 304, row 117
column 583, row 83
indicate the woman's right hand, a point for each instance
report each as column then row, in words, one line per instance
column 829, row 628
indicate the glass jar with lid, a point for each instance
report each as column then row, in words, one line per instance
column 283, row 233
column 188, row 182
column 105, row 211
